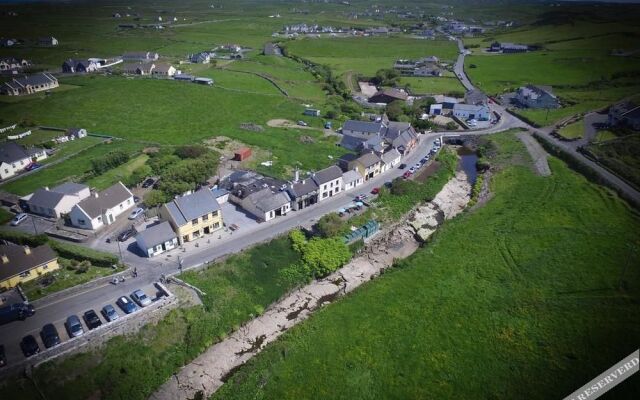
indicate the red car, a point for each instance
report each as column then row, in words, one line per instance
column 375, row 191
column 406, row 175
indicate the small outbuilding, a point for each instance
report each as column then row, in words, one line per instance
column 157, row 239
column 242, row 154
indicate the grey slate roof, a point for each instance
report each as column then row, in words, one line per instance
column 303, row 188
column 368, row 159
column 43, row 78
column 157, row 234
column 390, row 155
column 108, row 198
column 363, row 126
column 46, row 198
column 69, row 188
column 271, row 201
column 351, row 176
column 219, row 192
column 351, row 142
column 12, row 152
column 20, row 262
column 327, row 175
column 192, row 206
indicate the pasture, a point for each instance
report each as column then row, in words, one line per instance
column 526, row 296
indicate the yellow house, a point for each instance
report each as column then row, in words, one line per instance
column 194, row 215
column 19, row 264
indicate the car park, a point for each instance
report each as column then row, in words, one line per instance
column 140, row 298
column 18, row 219
column 109, row 313
column 29, row 346
column 3, row 357
column 74, row 327
column 136, row 213
column 49, row 335
column 126, row 305
column 91, row 319
column 126, row 234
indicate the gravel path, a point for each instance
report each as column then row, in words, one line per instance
column 538, row 155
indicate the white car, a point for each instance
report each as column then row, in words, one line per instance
column 302, row 123
column 136, row 213
column 18, row 219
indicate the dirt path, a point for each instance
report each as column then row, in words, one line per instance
column 204, row 375
column 538, row 155
column 285, row 123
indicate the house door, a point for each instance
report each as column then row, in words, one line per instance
column 164, row 248
column 110, row 218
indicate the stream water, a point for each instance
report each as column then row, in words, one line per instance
column 468, row 159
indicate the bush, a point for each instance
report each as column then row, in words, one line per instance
column 192, row 151
column 451, row 126
column 82, row 254
column 137, row 176
column 329, row 225
column 109, row 161
column 320, row 257
column 24, row 239
column 155, row 198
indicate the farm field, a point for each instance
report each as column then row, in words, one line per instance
column 119, row 173
column 432, row 85
column 75, row 168
column 237, row 289
column 525, row 295
column 620, row 154
column 367, row 55
column 167, row 113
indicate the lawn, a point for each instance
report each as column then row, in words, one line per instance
column 501, row 299
column 76, row 168
column 574, row 130
column 432, row 85
column 117, row 174
column 133, row 366
column 367, row 55
column 604, row 135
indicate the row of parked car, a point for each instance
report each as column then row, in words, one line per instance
column 49, row 333
column 413, row 169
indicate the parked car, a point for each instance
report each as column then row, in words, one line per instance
column 18, row 219
column 3, row 357
column 327, row 125
column 406, row 174
column 375, row 190
column 412, row 170
column 361, row 197
column 136, row 199
column 402, row 166
column 32, row 166
column 109, row 313
column 49, row 336
column 136, row 213
column 302, row 123
column 417, row 166
column 29, row 346
column 126, row 305
column 16, row 311
column 388, row 185
column 126, row 234
column 74, row 327
column 141, row 298
column 91, row 319
column 148, row 182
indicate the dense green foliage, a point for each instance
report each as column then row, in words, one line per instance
column 108, row 161
column 320, row 256
column 82, row 253
column 501, row 299
column 330, row 225
column 621, row 155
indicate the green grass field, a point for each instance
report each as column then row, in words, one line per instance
column 620, row 155
column 574, row 130
column 503, row 299
column 432, row 85
column 75, row 168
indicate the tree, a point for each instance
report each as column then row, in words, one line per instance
column 155, row 198
column 331, row 114
column 323, row 256
column 330, row 225
column 191, row 151
column 394, row 110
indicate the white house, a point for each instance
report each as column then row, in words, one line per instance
column 265, row 204
column 329, row 181
column 480, row 112
column 102, row 208
column 57, row 201
column 390, row 159
column 352, row 179
column 163, row 69
column 15, row 158
column 157, row 239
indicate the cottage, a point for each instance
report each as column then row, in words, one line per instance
column 401, row 136
column 532, row 96
column 509, row 47
column 76, row 133
column 625, row 115
column 390, row 159
column 47, row 41
column 101, row 208
column 303, row 193
column 368, row 165
column 12, row 64
column 157, row 239
column 29, row 84
column 140, row 56
column 271, row 49
column 194, row 215
column 20, row 264
column 200, row 58
column 15, row 158
column 164, row 70
column 352, row 179
column 387, row 96
column 465, row 112
column 329, row 181
column 58, row 201
column 265, row 204
column 72, row 66
column 427, row 71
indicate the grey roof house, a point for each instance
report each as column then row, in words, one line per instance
column 101, row 208
column 157, row 239
column 329, row 181
column 29, row 84
column 266, row 204
column 532, row 96
column 303, row 193
column 55, row 202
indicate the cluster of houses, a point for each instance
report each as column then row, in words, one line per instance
column 536, row 96
column 13, row 66
column 29, row 84
column 473, row 107
column 47, row 41
column 426, row 66
column 504, row 47
column 15, row 158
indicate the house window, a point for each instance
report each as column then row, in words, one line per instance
column 337, row 189
column 194, row 222
column 185, row 238
column 325, row 187
column 214, row 214
column 216, row 225
column 82, row 222
column 99, row 218
column 205, row 217
column 25, row 274
column 6, row 171
column 128, row 201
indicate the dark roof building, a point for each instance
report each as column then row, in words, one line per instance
column 29, row 84
column 17, row 263
column 187, row 208
column 386, row 96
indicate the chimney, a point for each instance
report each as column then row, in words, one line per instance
column 5, row 259
column 95, row 194
column 27, row 250
column 46, row 188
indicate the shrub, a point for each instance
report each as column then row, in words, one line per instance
column 109, row 161
column 24, row 239
column 82, row 254
column 329, row 225
column 191, row 151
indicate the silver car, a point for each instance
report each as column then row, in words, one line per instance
column 74, row 326
column 141, row 298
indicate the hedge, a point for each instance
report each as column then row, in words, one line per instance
column 23, row 239
column 75, row 252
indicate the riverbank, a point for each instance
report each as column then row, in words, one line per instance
column 211, row 369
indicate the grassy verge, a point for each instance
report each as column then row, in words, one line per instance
column 133, row 366
column 527, row 295
column 572, row 131
column 621, row 156
column 5, row 216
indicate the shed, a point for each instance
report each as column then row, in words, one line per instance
column 242, row 154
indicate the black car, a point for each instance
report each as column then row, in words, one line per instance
column 402, row 166
column 29, row 346
column 49, row 336
column 148, row 182
column 91, row 319
column 3, row 357
column 126, row 234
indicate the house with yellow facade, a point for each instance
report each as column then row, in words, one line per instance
column 194, row 215
column 20, row 264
